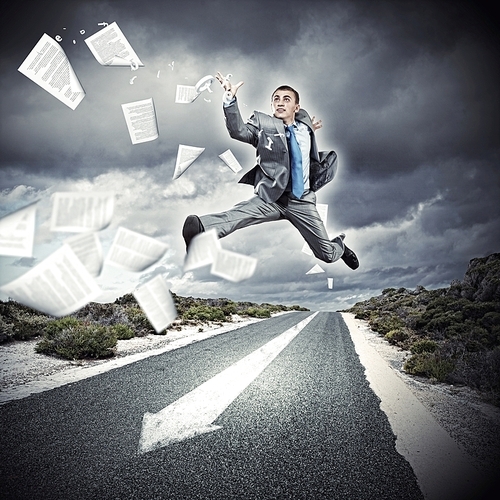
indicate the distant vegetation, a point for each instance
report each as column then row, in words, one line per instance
column 93, row 331
column 453, row 333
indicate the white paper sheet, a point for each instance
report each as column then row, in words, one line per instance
column 134, row 251
column 185, row 94
column 316, row 269
column 156, row 301
column 202, row 250
column 323, row 213
column 330, row 283
column 81, row 212
column 233, row 266
column 230, row 160
column 17, row 231
column 48, row 66
column 60, row 285
column 186, row 155
column 88, row 248
column 140, row 117
column 111, row 48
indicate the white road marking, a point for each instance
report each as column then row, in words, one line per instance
column 195, row 412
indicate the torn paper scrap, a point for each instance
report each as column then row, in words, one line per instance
column 48, row 66
column 59, row 285
column 202, row 250
column 140, row 117
column 134, row 251
column 17, row 231
column 185, row 156
column 88, row 248
column 185, row 94
column 323, row 213
column 81, row 212
column 316, row 269
column 156, row 301
column 233, row 266
column 230, row 160
column 111, row 48
column 204, row 83
column 330, row 283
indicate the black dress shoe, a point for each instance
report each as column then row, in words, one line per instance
column 349, row 257
column 192, row 227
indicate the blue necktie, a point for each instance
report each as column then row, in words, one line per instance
column 295, row 162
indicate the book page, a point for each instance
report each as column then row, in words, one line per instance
column 323, row 213
column 111, row 48
column 48, row 66
column 157, row 303
column 60, row 285
column 17, row 232
column 233, row 266
column 140, row 117
column 81, row 212
column 230, row 160
column 185, row 94
column 202, row 250
column 186, row 155
column 134, row 251
column 330, row 283
column 88, row 249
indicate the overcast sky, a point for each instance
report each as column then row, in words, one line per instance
column 408, row 93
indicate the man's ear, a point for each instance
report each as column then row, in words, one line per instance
column 297, row 107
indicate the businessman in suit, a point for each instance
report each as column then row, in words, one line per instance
column 289, row 170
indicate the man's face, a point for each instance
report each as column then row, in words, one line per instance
column 284, row 106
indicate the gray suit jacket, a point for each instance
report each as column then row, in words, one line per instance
column 267, row 134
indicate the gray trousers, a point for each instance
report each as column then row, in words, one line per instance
column 301, row 213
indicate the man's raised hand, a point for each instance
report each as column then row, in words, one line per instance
column 227, row 85
column 316, row 124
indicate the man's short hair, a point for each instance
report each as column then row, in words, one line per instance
column 287, row 87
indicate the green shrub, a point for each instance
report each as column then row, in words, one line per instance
column 384, row 323
column 122, row 332
column 258, row 312
column 397, row 336
column 204, row 313
column 429, row 365
column 139, row 321
column 424, row 345
column 79, row 341
column 56, row 326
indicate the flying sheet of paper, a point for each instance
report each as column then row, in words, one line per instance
column 156, row 301
column 111, row 48
column 60, row 285
column 202, row 250
column 81, row 212
column 316, row 269
column 233, row 266
column 88, row 249
column 323, row 213
column 48, row 66
column 17, row 231
column 185, row 94
column 134, row 251
column 140, row 117
column 185, row 156
column 330, row 283
column 230, row 160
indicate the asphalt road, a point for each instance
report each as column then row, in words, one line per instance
column 307, row 427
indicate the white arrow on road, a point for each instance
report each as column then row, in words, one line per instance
column 195, row 412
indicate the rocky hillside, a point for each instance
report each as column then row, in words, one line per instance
column 453, row 333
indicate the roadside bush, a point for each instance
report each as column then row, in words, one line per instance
column 397, row 336
column 384, row 323
column 78, row 341
column 139, row 321
column 424, row 345
column 204, row 313
column 122, row 332
column 258, row 312
column 429, row 365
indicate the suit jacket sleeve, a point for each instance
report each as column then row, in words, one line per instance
column 237, row 128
